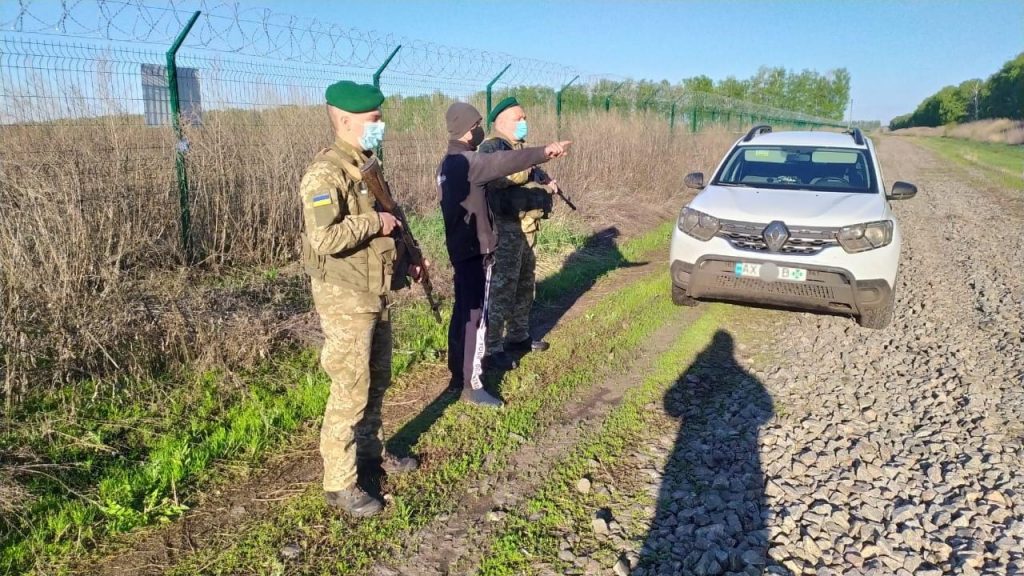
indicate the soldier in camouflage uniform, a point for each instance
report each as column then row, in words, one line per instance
column 349, row 255
column 519, row 202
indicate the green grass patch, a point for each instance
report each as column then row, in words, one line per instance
column 523, row 543
column 121, row 455
column 458, row 447
column 586, row 266
column 118, row 461
column 1003, row 164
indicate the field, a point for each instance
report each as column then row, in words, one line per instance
column 133, row 386
column 162, row 405
column 1003, row 164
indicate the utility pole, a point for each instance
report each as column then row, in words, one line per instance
column 977, row 88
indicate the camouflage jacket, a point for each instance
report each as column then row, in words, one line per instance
column 342, row 244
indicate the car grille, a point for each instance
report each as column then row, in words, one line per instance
column 799, row 289
column 802, row 239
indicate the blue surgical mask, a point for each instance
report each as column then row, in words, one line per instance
column 521, row 130
column 373, row 135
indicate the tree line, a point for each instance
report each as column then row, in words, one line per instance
column 1000, row 96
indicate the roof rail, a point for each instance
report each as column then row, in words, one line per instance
column 858, row 136
column 756, row 130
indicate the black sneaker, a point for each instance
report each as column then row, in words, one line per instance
column 354, row 502
column 528, row 345
column 500, row 361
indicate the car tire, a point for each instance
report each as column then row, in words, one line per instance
column 878, row 318
column 679, row 297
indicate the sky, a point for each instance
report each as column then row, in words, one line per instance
column 897, row 52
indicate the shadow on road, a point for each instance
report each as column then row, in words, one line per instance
column 557, row 293
column 711, row 511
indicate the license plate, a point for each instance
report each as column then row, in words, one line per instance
column 770, row 272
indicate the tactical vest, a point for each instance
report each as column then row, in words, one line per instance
column 366, row 268
column 516, row 196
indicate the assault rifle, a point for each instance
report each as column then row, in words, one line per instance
column 566, row 199
column 373, row 177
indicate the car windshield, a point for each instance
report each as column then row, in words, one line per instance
column 799, row 168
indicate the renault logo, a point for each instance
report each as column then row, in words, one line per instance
column 775, row 235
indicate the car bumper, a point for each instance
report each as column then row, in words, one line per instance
column 826, row 289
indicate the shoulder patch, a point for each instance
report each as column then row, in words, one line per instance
column 322, row 199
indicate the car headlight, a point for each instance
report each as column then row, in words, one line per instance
column 698, row 224
column 867, row 236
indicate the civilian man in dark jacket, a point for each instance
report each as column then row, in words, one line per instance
column 471, row 239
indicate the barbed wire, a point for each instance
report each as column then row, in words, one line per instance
column 260, row 32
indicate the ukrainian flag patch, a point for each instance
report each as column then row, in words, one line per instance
column 322, row 199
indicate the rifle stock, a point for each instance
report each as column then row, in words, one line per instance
column 373, row 177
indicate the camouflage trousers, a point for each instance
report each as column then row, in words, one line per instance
column 513, row 283
column 357, row 357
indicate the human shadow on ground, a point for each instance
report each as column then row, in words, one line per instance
column 711, row 511
column 556, row 294
column 597, row 256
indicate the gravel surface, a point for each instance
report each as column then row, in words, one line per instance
column 843, row 450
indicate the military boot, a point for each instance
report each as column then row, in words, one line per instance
column 354, row 501
column 480, row 397
column 500, row 361
column 528, row 345
column 390, row 463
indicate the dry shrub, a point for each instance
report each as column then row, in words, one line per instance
column 1000, row 131
column 91, row 283
column 996, row 131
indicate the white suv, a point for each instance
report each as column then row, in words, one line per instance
column 796, row 220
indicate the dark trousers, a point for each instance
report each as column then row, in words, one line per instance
column 468, row 329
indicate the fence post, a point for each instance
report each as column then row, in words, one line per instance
column 379, row 151
column 672, row 118
column 558, row 106
column 693, row 120
column 608, row 98
column 490, row 85
column 182, row 145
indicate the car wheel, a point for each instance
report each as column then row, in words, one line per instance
column 878, row 318
column 679, row 297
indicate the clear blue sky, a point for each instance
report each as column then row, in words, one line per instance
column 898, row 53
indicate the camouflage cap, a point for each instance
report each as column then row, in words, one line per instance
column 501, row 107
column 352, row 97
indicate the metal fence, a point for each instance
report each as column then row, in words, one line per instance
column 174, row 90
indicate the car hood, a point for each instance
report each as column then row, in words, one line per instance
column 804, row 207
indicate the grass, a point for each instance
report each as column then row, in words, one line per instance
column 526, row 541
column 1003, row 164
column 457, row 448
column 117, row 461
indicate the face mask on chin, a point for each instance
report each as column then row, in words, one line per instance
column 373, row 135
column 476, row 136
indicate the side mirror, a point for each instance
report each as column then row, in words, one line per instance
column 694, row 180
column 902, row 191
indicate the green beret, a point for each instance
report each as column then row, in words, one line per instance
column 352, row 97
column 501, row 107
